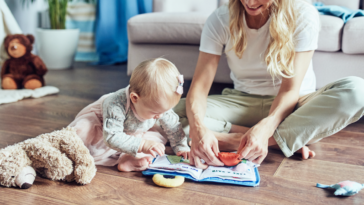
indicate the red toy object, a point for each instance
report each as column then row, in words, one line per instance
column 229, row 159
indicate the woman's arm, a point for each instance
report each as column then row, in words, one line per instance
column 254, row 144
column 204, row 143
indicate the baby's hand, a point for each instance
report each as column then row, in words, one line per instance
column 149, row 147
column 184, row 154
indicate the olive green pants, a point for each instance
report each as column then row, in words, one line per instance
column 316, row 116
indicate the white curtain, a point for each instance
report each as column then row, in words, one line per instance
column 8, row 25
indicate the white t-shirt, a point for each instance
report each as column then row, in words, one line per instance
column 250, row 73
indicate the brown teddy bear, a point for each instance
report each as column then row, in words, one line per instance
column 60, row 155
column 23, row 69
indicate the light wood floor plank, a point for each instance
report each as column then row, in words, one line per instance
column 271, row 162
column 57, row 108
column 355, row 127
column 354, row 139
column 272, row 190
column 18, row 196
column 33, row 127
column 8, row 138
column 107, row 189
column 338, row 153
column 320, row 171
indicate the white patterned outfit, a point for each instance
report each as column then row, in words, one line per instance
column 110, row 126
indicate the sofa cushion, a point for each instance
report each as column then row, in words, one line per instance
column 184, row 5
column 351, row 4
column 330, row 33
column 353, row 36
column 184, row 28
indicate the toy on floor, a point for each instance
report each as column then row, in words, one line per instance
column 59, row 155
column 22, row 69
column 229, row 159
column 344, row 188
column 168, row 180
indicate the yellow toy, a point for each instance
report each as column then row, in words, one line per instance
column 167, row 180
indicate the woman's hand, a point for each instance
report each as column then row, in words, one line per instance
column 254, row 143
column 204, row 146
column 204, row 143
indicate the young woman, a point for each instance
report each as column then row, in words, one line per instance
column 269, row 46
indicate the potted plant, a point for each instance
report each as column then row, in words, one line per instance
column 57, row 46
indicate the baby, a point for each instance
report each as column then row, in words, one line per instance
column 125, row 127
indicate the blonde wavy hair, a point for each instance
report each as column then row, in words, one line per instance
column 154, row 79
column 280, row 53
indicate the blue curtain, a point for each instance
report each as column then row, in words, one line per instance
column 111, row 27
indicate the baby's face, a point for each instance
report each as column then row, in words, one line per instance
column 152, row 110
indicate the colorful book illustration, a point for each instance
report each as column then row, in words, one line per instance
column 245, row 173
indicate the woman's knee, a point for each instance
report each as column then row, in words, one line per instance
column 350, row 82
column 356, row 90
column 352, row 98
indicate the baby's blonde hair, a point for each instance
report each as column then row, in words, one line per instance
column 155, row 79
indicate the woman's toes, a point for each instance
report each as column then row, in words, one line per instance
column 312, row 154
column 305, row 152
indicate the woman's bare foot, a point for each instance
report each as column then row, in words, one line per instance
column 129, row 163
column 306, row 152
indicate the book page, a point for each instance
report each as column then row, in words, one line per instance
column 175, row 164
column 244, row 171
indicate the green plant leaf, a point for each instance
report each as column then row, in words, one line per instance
column 58, row 11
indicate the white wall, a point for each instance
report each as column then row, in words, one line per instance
column 27, row 15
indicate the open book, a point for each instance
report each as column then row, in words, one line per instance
column 245, row 173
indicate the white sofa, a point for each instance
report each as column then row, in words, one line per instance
column 173, row 30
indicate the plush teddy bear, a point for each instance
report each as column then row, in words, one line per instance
column 22, row 69
column 59, row 155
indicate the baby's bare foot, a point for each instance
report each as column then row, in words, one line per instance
column 306, row 152
column 129, row 163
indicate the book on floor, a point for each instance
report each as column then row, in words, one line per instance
column 245, row 173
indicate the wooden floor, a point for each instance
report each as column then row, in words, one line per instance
column 283, row 180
